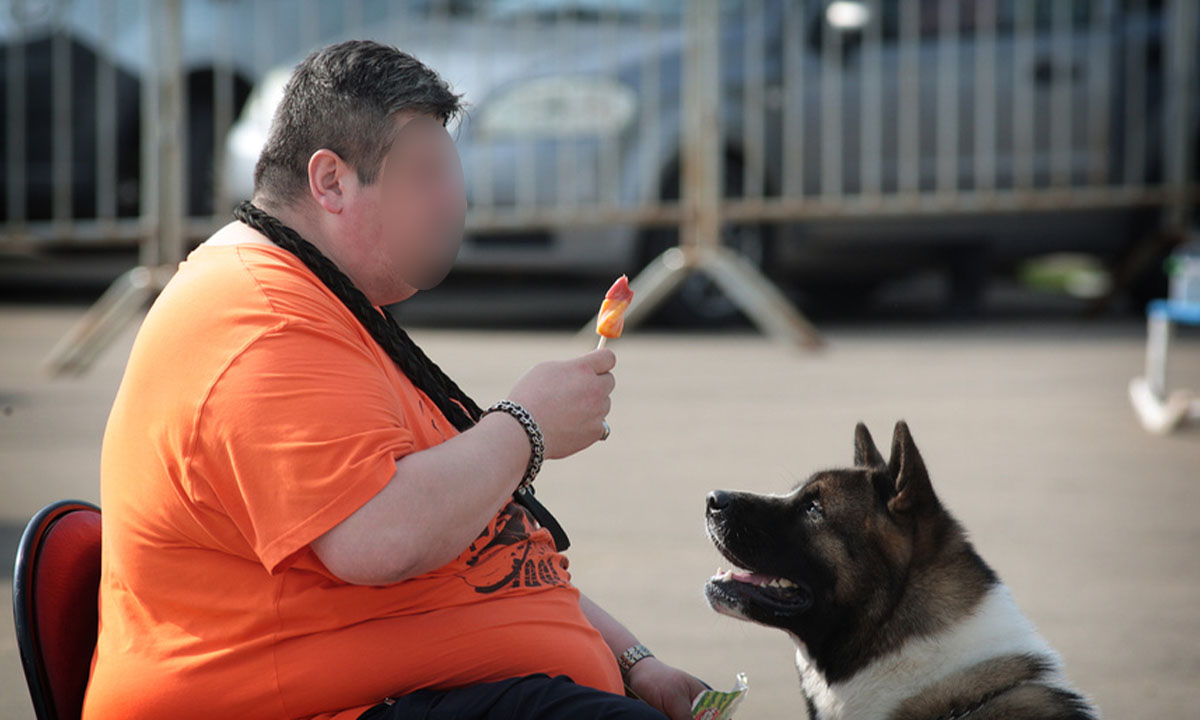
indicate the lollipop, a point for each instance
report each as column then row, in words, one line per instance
column 611, row 319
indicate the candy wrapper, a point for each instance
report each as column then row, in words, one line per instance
column 717, row 705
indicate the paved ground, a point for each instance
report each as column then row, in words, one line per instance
column 1025, row 427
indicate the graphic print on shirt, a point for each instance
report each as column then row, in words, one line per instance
column 503, row 555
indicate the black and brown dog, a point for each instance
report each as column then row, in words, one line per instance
column 893, row 613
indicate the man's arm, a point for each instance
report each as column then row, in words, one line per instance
column 434, row 506
column 616, row 636
column 668, row 689
column 439, row 499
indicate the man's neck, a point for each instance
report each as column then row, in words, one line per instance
column 302, row 220
column 306, row 222
column 299, row 220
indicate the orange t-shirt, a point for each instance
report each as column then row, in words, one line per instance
column 255, row 414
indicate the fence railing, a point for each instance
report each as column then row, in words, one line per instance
column 826, row 108
column 137, row 121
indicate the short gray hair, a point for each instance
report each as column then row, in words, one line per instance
column 344, row 97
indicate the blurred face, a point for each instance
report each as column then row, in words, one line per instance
column 410, row 220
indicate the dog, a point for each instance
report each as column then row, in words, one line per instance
column 892, row 612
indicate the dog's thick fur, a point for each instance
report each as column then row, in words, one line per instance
column 892, row 612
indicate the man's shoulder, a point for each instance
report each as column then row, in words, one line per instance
column 225, row 300
column 249, row 285
column 257, row 271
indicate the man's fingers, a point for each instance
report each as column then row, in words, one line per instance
column 601, row 361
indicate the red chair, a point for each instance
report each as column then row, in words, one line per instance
column 55, row 588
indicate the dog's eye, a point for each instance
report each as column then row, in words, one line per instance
column 813, row 509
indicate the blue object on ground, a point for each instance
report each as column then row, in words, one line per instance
column 1180, row 312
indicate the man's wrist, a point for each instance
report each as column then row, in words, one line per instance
column 537, row 443
column 631, row 657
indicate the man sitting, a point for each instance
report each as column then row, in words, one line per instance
column 304, row 517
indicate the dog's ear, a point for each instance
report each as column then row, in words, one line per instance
column 865, row 452
column 914, row 492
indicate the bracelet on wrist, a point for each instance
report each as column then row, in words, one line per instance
column 631, row 657
column 537, row 443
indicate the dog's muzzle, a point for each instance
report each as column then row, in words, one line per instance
column 751, row 591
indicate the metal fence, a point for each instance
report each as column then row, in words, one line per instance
column 591, row 121
column 825, row 107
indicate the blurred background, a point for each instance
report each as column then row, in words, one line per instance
column 971, row 201
column 854, row 145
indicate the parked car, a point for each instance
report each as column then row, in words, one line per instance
column 558, row 116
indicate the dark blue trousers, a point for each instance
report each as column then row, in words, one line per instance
column 533, row 697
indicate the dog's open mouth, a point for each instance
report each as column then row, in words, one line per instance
column 743, row 592
column 735, row 587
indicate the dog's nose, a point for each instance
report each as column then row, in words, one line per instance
column 718, row 500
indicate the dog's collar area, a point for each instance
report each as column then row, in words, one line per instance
column 961, row 712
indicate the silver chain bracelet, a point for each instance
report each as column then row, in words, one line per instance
column 536, row 441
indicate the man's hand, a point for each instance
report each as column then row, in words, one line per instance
column 665, row 688
column 568, row 400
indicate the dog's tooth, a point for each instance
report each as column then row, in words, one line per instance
column 784, row 582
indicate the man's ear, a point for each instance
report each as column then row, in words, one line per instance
column 865, row 452
column 914, row 492
column 327, row 177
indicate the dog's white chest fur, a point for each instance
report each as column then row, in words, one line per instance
column 995, row 629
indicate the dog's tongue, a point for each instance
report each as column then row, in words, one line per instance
column 752, row 577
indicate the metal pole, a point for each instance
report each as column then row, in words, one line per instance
column 149, row 185
column 162, row 208
column 170, row 133
column 701, row 160
column 700, row 247
column 15, row 96
column 61, row 150
column 1180, row 17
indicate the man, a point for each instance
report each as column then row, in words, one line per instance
column 303, row 516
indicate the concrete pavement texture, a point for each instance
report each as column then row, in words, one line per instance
column 1026, row 429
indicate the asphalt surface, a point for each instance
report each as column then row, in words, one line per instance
column 1025, row 426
